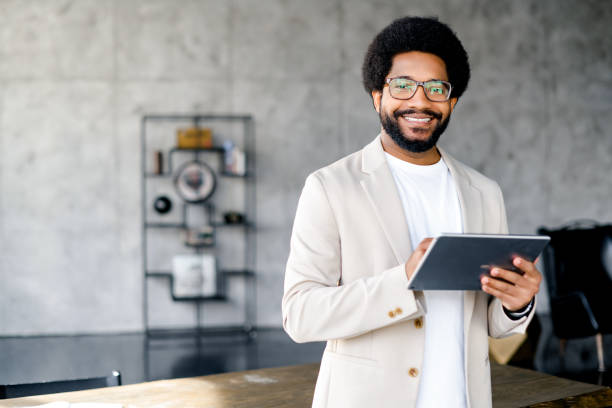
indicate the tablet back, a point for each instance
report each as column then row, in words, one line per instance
column 457, row 261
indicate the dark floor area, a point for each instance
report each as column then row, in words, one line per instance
column 138, row 358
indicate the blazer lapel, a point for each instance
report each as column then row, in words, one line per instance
column 381, row 191
column 470, row 197
column 470, row 200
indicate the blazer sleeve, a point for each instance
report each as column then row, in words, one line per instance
column 500, row 325
column 314, row 306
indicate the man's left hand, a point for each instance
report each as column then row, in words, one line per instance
column 519, row 289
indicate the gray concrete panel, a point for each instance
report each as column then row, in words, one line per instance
column 60, row 229
column 76, row 77
column 164, row 39
column 298, row 119
column 56, row 40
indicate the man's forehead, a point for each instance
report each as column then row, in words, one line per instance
column 418, row 65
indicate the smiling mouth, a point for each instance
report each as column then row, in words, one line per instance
column 416, row 120
column 418, row 117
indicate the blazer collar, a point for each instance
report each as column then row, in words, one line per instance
column 382, row 193
column 374, row 163
column 373, row 156
column 470, row 198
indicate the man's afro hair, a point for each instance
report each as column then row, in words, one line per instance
column 416, row 34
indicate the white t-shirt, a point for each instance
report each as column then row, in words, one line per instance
column 431, row 206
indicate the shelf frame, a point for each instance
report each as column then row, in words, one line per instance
column 248, row 273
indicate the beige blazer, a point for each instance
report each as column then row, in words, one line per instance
column 345, row 284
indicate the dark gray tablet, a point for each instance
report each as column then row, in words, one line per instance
column 457, row 261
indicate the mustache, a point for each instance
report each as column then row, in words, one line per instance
column 427, row 112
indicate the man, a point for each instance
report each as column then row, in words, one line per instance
column 363, row 224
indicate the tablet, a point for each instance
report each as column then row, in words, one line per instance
column 457, row 261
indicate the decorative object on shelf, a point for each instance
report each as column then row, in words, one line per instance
column 200, row 237
column 234, row 159
column 162, row 204
column 194, row 276
column 233, row 217
column 195, row 182
column 158, row 162
column 194, row 138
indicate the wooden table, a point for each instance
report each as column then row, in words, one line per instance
column 293, row 387
column 517, row 387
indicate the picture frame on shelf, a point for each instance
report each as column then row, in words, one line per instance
column 194, row 275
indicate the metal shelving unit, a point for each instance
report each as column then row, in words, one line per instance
column 246, row 228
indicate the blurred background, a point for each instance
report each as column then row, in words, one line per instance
column 77, row 78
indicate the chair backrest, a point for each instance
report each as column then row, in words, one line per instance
column 579, row 279
column 52, row 387
column 574, row 260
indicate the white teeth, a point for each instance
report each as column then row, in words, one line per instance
column 411, row 119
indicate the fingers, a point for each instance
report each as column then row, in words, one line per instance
column 516, row 290
column 527, row 267
column 530, row 275
column 510, row 276
column 531, row 278
column 510, row 279
column 505, row 298
column 499, row 286
column 511, row 296
column 424, row 244
column 416, row 256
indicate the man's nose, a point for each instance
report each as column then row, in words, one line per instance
column 419, row 99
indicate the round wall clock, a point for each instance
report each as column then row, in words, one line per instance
column 195, row 182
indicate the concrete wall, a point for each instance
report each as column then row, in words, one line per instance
column 76, row 76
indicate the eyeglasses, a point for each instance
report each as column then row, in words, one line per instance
column 405, row 88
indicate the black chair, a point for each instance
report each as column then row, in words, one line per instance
column 579, row 279
column 53, row 387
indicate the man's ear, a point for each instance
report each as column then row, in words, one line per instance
column 376, row 96
column 453, row 102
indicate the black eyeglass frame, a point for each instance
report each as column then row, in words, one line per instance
column 422, row 85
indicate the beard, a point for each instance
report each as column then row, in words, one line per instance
column 391, row 126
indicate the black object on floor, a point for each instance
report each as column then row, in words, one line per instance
column 54, row 387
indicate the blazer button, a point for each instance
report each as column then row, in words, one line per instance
column 418, row 323
column 398, row 311
column 413, row 372
column 391, row 313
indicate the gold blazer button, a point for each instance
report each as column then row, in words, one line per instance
column 413, row 372
column 391, row 313
column 418, row 323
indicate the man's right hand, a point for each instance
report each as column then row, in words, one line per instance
column 416, row 257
